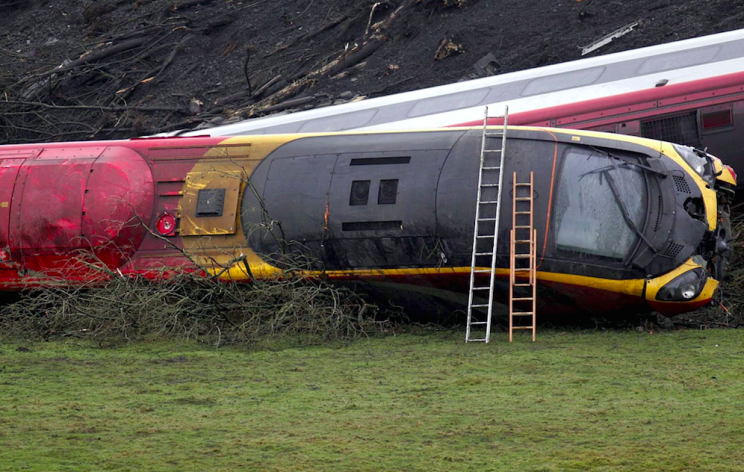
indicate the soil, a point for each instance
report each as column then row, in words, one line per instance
column 181, row 63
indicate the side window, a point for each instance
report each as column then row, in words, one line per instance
column 388, row 192
column 359, row 192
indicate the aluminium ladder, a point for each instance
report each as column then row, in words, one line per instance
column 486, row 231
column 522, row 257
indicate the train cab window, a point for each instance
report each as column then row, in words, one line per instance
column 593, row 195
column 359, row 192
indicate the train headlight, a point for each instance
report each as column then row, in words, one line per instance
column 699, row 162
column 684, row 287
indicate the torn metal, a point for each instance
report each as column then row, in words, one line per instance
column 609, row 38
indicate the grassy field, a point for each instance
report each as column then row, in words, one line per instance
column 572, row 401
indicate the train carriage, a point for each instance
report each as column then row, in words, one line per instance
column 624, row 223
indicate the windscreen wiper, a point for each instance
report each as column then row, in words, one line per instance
column 632, row 163
column 626, row 213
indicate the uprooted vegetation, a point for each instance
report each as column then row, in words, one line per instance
column 728, row 310
column 193, row 305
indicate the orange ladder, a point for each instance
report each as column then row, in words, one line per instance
column 522, row 257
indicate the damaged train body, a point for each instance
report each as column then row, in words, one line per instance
column 624, row 224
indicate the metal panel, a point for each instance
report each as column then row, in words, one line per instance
column 339, row 122
column 679, row 60
column 450, row 102
column 49, row 213
column 225, row 175
column 566, row 80
column 296, row 197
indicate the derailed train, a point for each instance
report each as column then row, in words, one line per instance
column 625, row 224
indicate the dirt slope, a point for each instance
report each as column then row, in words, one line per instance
column 138, row 67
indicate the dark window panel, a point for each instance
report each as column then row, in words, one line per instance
column 359, row 192
column 388, row 192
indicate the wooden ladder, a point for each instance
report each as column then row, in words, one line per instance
column 522, row 257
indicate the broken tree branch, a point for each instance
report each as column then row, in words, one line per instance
column 355, row 57
column 91, row 107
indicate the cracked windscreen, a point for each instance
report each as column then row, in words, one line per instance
column 589, row 218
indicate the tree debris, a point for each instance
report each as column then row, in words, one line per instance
column 446, row 48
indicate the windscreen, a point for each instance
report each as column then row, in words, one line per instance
column 593, row 189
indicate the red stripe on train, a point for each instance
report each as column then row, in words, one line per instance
column 712, row 88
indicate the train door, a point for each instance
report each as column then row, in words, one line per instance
column 382, row 210
column 47, row 212
column 289, row 218
column 9, row 167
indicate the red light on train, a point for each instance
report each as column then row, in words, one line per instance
column 717, row 119
column 166, row 224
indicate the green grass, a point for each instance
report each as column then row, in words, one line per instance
column 571, row 401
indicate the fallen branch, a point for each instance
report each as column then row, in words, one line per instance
column 288, row 104
column 308, row 36
column 354, row 58
column 91, row 107
column 232, row 98
column 98, row 55
column 266, row 86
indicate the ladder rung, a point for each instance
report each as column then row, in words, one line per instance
column 520, row 241
column 480, row 340
column 523, row 185
column 520, row 299
column 485, row 236
column 481, row 288
column 523, row 269
column 479, row 306
column 523, row 327
column 523, row 199
column 489, row 202
column 490, row 168
column 522, row 256
column 521, row 313
column 478, row 322
column 522, row 227
column 523, row 285
column 481, row 271
column 484, row 254
column 492, row 150
column 494, row 135
column 489, row 185
column 488, row 219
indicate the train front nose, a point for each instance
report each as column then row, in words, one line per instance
column 687, row 288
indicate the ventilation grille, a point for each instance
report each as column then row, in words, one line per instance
column 673, row 250
column 658, row 214
column 681, row 184
column 681, row 129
